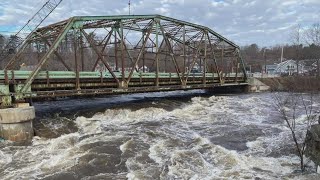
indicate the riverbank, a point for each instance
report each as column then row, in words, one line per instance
column 292, row 83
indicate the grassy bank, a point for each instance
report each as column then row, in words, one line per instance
column 293, row 83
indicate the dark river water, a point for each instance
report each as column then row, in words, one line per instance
column 174, row 135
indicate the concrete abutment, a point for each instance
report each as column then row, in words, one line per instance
column 16, row 123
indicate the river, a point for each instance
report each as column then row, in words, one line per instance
column 173, row 135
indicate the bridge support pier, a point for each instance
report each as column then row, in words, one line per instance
column 16, row 123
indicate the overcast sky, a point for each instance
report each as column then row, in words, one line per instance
column 265, row 22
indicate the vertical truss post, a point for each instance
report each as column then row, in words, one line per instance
column 81, row 52
column 75, row 44
column 237, row 70
column 184, row 54
column 157, row 22
column 159, row 49
column 122, row 55
column 205, row 58
column 116, row 49
column 224, row 64
column 143, row 55
column 165, row 63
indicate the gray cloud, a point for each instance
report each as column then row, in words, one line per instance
column 242, row 21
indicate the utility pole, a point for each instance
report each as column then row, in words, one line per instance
column 281, row 58
column 129, row 7
column 265, row 61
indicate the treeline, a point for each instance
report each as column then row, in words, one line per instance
column 304, row 46
column 257, row 57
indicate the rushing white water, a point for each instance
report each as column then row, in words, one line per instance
column 216, row 137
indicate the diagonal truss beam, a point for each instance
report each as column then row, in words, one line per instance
column 171, row 53
column 45, row 58
column 90, row 41
column 58, row 55
column 140, row 53
column 102, row 50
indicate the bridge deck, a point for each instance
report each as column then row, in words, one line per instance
column 64, row 83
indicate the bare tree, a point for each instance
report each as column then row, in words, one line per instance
column 312, row 38
column 2, row 41
column 296, row 37
column 312, row 35
column 289, row 106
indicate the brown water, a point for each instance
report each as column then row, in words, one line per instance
column 174, row 135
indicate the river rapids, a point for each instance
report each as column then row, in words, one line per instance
column 175, row 135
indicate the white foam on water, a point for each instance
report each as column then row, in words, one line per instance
column 44, row 156
column 125, row 146
column 176, row 150
column 5, row 158
column 224, row 163
column 206, row 161
column 125, row 116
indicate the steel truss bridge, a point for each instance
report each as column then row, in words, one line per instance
column 91, row 55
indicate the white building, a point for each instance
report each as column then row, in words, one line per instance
column 288, row 67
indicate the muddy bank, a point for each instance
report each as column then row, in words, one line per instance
column 293, row 83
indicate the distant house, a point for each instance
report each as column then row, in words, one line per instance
column 288, row 67
column 314, row 68
column 271, row 68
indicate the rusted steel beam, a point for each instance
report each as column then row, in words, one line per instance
column 237, row 69
column 58, row 55
column 102, row 50
column 75, row 32
column 195, row 55
column 116, row 50
column 127, row 51
column 242, row 63
column 122, row 52
column 184, row 52
column 45, row 58
column 157, row 52
column 6, row 78
column 172, row 53
column 215, row 60
column 81, row 52
column 90, row 41
column 205, row 58
column 139, row 55
column 143, row 54
column 48, row 78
